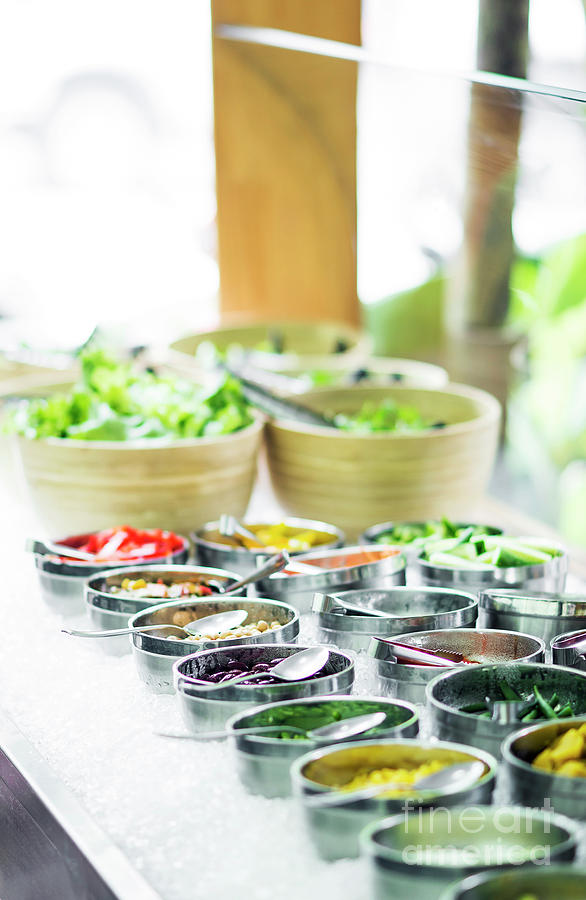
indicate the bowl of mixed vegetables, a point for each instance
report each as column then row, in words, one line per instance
column 481, row 705
column 413, row 536
column 412, row 452
column 128, row 443
column 241, row 553
column 62, row 578
column 113, row 595
column 278, row 346
column 478, row 559
column 546, row 765
column 264, row 759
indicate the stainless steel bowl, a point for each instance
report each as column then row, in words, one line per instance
column 545, row 882
column 421, row 854
column 62, row 584
column 156, row 651
column 567, row 656
column 107, row 610
column 204, row 711
column 407, row 609
column 335, row 830
column 299, row 589
column 543, row 614
column 264, row 761
column 471, row 684
column 394, row 679
column 534, row 787
column 371, row 535
column 547, row 576
column 243, row 561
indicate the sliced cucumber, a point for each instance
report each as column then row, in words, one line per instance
column 456, row 562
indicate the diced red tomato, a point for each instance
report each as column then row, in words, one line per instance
column 126, row 543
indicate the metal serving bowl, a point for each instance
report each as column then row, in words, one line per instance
column 264, row 761
column 299, row 589
column 568, row 656
column 534, row 787
column 62, row 583
column 335, row 830
column 547, row 576
column 407, row 609
column 371, row 535
column 546, row 883
column 107, row 610
column 155, row 651
column 243, row 561
column 396, row 679
column 421, row 854
column 471, row 684
column 206, row 711
column 540, row 613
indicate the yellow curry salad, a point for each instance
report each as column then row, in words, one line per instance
column 566, row 755
column 372, row 777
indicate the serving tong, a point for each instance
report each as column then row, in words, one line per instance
column 274, row 406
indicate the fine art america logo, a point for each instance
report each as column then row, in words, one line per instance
column 473, row 836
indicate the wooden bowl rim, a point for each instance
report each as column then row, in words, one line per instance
column 490, row 415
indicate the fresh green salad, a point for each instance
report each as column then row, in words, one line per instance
column 417, row 534
column 385, row 416
column 116, row 401
column 307, row 716
column 488, row 551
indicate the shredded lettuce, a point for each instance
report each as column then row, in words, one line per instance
column 115, row 401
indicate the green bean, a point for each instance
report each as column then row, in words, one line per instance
column 543, row 704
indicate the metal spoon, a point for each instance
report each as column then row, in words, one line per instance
column 48, row 548
column 459, row 775
column 417, row 655
column 230, row 527
column 574, row 642
column 294, row 668
column 273, row 564
column 232, row 618
column 325, row 734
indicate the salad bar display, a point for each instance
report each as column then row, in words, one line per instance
column 327, row 709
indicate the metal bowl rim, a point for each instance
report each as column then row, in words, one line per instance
column 455, row 890
column 294, row 621
column 400, row 589
column 44, row 562
column 444, row 676
column 185, row 568
column 428, row 744
column 554, row 599
column 317, row 698
column 337, row 534
column 510, row 757
column 381, row 527
column 368, row 845
column 518, row 573
column 189, row 679
column 394, row 562
column 539, row 649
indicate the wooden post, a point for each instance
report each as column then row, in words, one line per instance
column 285, row 134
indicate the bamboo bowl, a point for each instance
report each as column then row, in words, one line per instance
column 307, row 345
column 81, row 486
column 354, row 480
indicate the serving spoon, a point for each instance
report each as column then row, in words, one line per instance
column 573, row 642
column 417, row 655
column 459, row 775
column 325, row 734
column 294, row 668
column 229, row 526
column 49, row 548
column 232, row 618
